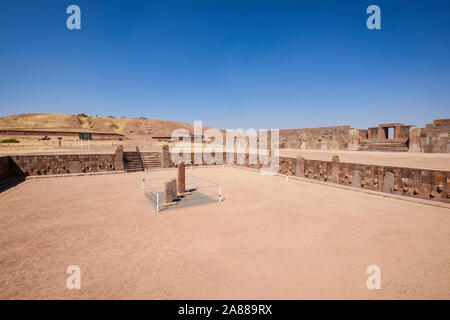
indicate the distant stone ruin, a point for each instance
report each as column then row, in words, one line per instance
column 434, row 138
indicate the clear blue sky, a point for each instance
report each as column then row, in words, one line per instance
column 232, row 64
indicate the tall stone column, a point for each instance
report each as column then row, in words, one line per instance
column 181, row 178
column 118, row 158
column 353, row 139
column 165, row 156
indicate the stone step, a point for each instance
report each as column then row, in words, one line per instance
column 151, row 158
column 133, row 161
column 396, row 149
column 151, row 161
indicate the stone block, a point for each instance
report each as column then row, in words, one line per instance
column 356, row 178
column 414, row 139
column 170, row 191
column 335, row 168
column 388, row 182
column 74, row 166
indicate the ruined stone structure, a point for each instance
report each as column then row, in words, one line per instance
column 433, row 138
column 35, row 165
column 419, row 183
column 412, row 182
column 378, row 138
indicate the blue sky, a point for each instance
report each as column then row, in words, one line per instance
column 232, row 64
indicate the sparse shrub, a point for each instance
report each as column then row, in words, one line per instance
column 113, row 126
column 10, row 141
column 82, row 115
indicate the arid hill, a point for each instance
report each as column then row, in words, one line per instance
column 132, row 128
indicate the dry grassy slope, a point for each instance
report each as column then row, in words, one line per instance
column 128, row 127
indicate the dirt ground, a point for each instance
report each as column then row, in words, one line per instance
column 269, row 239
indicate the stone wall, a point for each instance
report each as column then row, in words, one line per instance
column 412, row 182
column 435, row 137
column 324, row 138
column 33, row 165
column 419, row 183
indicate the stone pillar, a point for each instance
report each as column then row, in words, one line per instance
column 388, row 182
column 181, row 178
column 414, row 139
column 356, row 178
column 353, row 139
column 381, row 133
column 335, row 168
column 300, row 167
column 118, row 158
column 170, row 191
column 165, row 156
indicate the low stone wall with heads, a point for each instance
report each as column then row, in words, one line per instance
column 418, row 183
column 412, row 182
column 35, row 165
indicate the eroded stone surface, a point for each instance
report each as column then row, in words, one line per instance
column 181, row 178
column 335, row 170
column 170, row 191
column 356, row 178
column 388, row 182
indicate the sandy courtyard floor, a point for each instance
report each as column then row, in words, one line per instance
column 269, row 239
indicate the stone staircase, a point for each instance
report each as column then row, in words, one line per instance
column 133, row 161
column 151, row 160
column 397, row 145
